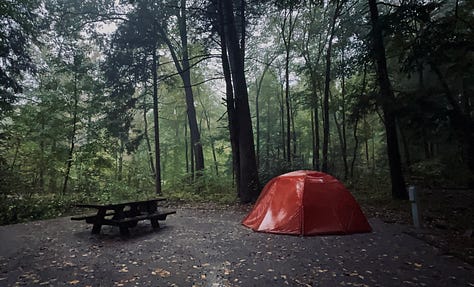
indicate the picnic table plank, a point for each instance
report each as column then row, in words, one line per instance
column 122, row 217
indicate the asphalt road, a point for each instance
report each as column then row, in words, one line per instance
column 211, row 248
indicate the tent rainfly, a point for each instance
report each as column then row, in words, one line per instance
column 306, row 203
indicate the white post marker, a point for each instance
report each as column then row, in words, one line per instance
column 414, row 206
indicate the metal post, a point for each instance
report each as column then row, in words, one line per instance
column 414, row 206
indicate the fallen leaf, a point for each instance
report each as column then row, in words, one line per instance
column 74, row 282
column 161, row 272
column 124, row 270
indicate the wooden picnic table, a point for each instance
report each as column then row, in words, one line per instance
column 124, row 214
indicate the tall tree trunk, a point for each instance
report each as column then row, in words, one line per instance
column 356, row 147
column 288, row 23
column 248, row 165
column 268, row 161
column 257, row 102
column 243, row 32
column 327, row 83
column 406, row 147
column 461, row 120
column 156, row 124
column 183, row 68
column 186, row 77
column 293, row 133
column 120, row 158
column 186, row 148
column 42, row 160
column 358, row 115
column 343, row 124
column 230, row 101
column 387, row 103
column 208, row 125
column 311, row 64
column 257, row 118
column 147, row 138
column 282, row 122
column 72, row 137
column 317, row 139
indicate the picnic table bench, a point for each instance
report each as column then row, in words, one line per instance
column 124, row 214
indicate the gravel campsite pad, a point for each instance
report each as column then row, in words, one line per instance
column 199, row 247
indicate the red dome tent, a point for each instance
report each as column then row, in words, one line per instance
column 306, row 203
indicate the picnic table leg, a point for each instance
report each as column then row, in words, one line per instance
column 154, row 223
column 96, row 228
column 124, row 230
column 98, row 221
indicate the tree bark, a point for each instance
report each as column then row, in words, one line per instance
column 317, row 139
column 358, row 115
column 248, row 165
column 257, row 108
column 327, row 87
column 387, row 103
column 288, row 23
column 72, row 139
column 208, row 125
column 156, row 124
column 183, row 68
column 147, row 139
column 230, row 101
column 186, row 149
column 343, row 124
column 356, row 147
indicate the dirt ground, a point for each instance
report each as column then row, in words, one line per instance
column 198, row 247
column 447, row 218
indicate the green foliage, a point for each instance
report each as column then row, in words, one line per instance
column 17, row 208
column 19, row 27
column 205, row 188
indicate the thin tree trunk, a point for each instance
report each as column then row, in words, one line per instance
column 268, row 137
column 208, row 124
column 257, row 108
column 462, row 120
column 327, row 87
column 156, row 123
column 17, row 150
column 183, row 68
column 387, row 103
column 343, row 105
column 293, row 133
column 311, row 64
column 120, row 159
column 356, row 147
column 147, row 139
column 406, row 149
column 282, row 122
column 186, row 148
column 257, row 117
column 356, row 138
column 72, row 140
column 316, row 145
column 289, row 22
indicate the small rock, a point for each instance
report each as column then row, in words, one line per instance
column 468, row 233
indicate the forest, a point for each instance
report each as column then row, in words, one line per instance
column 207, row 100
